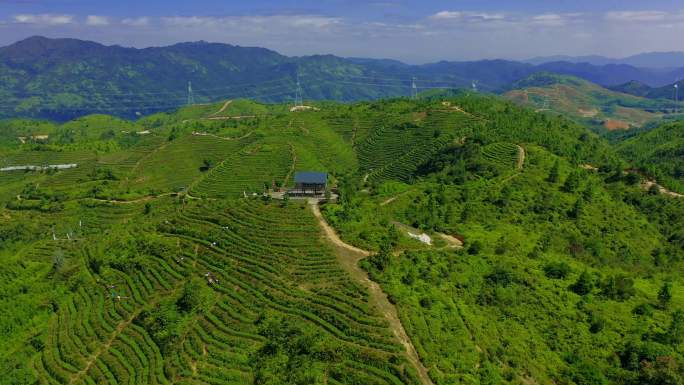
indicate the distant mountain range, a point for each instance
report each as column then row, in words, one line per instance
column 64, row 78
column 661, row 60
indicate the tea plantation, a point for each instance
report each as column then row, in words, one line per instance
column 163, row 257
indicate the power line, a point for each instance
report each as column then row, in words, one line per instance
column 143, row 94
column 179, row 99
column 150, row 106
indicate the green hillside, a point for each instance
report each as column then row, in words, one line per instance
column 164, row 257
column 633, row 88
column 660, row 153
column 588, row 103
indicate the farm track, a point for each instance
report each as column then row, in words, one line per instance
column 292, row 168
column 521, row 157
column 247, row 135
column 223, row 108
column 232, row 117
column 140, row 161
column 663, row 190
column 349, row 257
column 394, row 198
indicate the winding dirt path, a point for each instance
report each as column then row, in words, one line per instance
column 245, row 136
column 292, row 167
column 521, row 157
column 663, row 190
column 394, row 198
column 228, row 102
column 349, row 257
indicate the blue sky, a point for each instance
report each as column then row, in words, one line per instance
column 413, row 31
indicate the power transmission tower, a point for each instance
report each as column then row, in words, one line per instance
column 299, row 101
column 676, row 97
column 414, row 89
column 191, row 95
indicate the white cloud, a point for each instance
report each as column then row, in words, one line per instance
column 467, row 16
column 637, row 16
column 97, row 21
column 447, row 15
column 43, row 19
column 315, row 22
column 549, row 19
column 136, row 22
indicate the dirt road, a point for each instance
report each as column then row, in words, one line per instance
column 349, row 257
column 521, row 158
column 223, row 108
column 649, row 183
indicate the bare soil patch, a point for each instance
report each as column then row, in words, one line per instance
column 614, row 125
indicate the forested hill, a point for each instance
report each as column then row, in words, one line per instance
column 660, row 152
column 590, row 104
column 65, row 78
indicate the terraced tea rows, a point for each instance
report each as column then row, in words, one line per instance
column 175, row 165
column 123, row 162
column 395, row 153
column 246, row 173
column 261, row 262
column 503, row 154
column 404, row 166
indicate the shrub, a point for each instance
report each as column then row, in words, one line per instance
column 665, row 295
column 557, row 270
column 643, row 310
column 618, row 287
column 584, row 284
column 500, row 276
column 475, row 248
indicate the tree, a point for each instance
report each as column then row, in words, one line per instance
column 557, row 270
column 584, row 284
column 632, row 178
column 654, row 189
column 196, row 296
column 475, row 248
column 588, row 193
column 207, row 164
column 576, row 211
column 554, row 174
column 665, row 295
column 675, row 333
column 585, row 373
column 572, row 182
column 619, row 287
